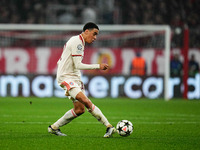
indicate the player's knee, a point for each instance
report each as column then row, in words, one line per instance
column 88, row 104
column 85, row 101
column 79, row 111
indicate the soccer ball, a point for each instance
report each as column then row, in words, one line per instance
column 124, row 128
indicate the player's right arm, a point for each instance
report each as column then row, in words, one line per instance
column 81, row 66
column 77, row 52
column 104, row 66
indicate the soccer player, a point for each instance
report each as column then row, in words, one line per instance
column 69, row 78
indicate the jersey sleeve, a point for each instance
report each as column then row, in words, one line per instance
column 77, row 56
column 77, row 49
column 79, row 65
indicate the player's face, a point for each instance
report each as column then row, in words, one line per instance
column 91, row 35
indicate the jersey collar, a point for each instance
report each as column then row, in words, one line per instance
column 81, row 38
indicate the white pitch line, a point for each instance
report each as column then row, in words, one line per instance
column 156, row 122
column 168, row 117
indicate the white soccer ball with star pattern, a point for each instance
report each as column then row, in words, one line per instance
column 124, row 128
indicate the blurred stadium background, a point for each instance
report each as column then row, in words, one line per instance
column 28, row 56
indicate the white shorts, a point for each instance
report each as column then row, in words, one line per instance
column 72, row 88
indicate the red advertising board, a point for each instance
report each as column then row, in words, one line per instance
column 41, row 60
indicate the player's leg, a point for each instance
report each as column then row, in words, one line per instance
column 96, row 112
column 71, row 114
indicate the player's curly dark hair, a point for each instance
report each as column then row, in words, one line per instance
column 90, row 25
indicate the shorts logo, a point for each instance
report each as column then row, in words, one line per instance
column 71, row 83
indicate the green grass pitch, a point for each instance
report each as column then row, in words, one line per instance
column 158, row 125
